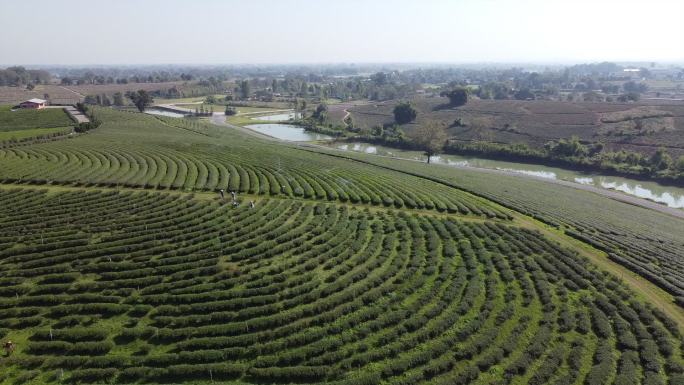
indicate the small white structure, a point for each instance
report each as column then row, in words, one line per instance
column 35, row 104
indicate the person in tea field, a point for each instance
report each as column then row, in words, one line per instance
column 9, row 347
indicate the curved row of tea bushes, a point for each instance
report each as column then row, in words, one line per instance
column 138, row 150
column 160, row 287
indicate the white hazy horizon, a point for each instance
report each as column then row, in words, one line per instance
column 80, row 32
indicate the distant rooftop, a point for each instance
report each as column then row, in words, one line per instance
column 36, row 100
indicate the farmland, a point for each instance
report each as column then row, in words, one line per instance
column 384, row 193
column 120, row 263
column 25, row 119
column 165, row 158
column 651, row 245
column 71, row 94
column 148, row 286
column 57, row 94
column 31, row 133
column 27, row 124
column 640, row 127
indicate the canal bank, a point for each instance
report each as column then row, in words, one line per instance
column 670, row 196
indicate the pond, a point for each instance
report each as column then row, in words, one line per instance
column 287, row 132
column 157, row 111
column 668, row 195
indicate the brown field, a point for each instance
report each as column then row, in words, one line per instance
column 73, row 94
column 338, row 111
column 641, row 127
column 94, row 89
column 58, row 94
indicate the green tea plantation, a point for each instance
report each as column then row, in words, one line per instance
column 121, row 263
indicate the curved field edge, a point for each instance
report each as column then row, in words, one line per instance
column 643, row 288
column 577, row 214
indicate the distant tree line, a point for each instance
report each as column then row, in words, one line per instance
column 378, row 86
column 20, row 76
column 91, row 78
column 585, row 82
column 588, row 92
column 117, row 99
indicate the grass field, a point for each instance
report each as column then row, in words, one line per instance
column 185, row 100
column 245, row 114
column 275, row 105
column 243, row 120
column 257, row 110
column 210, row 107
column 119, row 263
column 250, row 115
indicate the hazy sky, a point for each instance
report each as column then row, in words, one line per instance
column 324, row 31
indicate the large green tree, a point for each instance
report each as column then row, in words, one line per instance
column 244, row 89
column 141, row 98
column 661, row 160
column 320, row 113
column 430, row 138
column 404, row 113
column 457, row 97
column 680, row 164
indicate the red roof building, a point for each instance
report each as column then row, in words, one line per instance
column 33, row 103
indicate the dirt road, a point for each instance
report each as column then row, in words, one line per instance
column 80, row 95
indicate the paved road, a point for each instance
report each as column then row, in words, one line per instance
column 74, row 113
column 220, row 119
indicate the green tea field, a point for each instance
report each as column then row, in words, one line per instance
column 120, row 263
column 26, row 124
